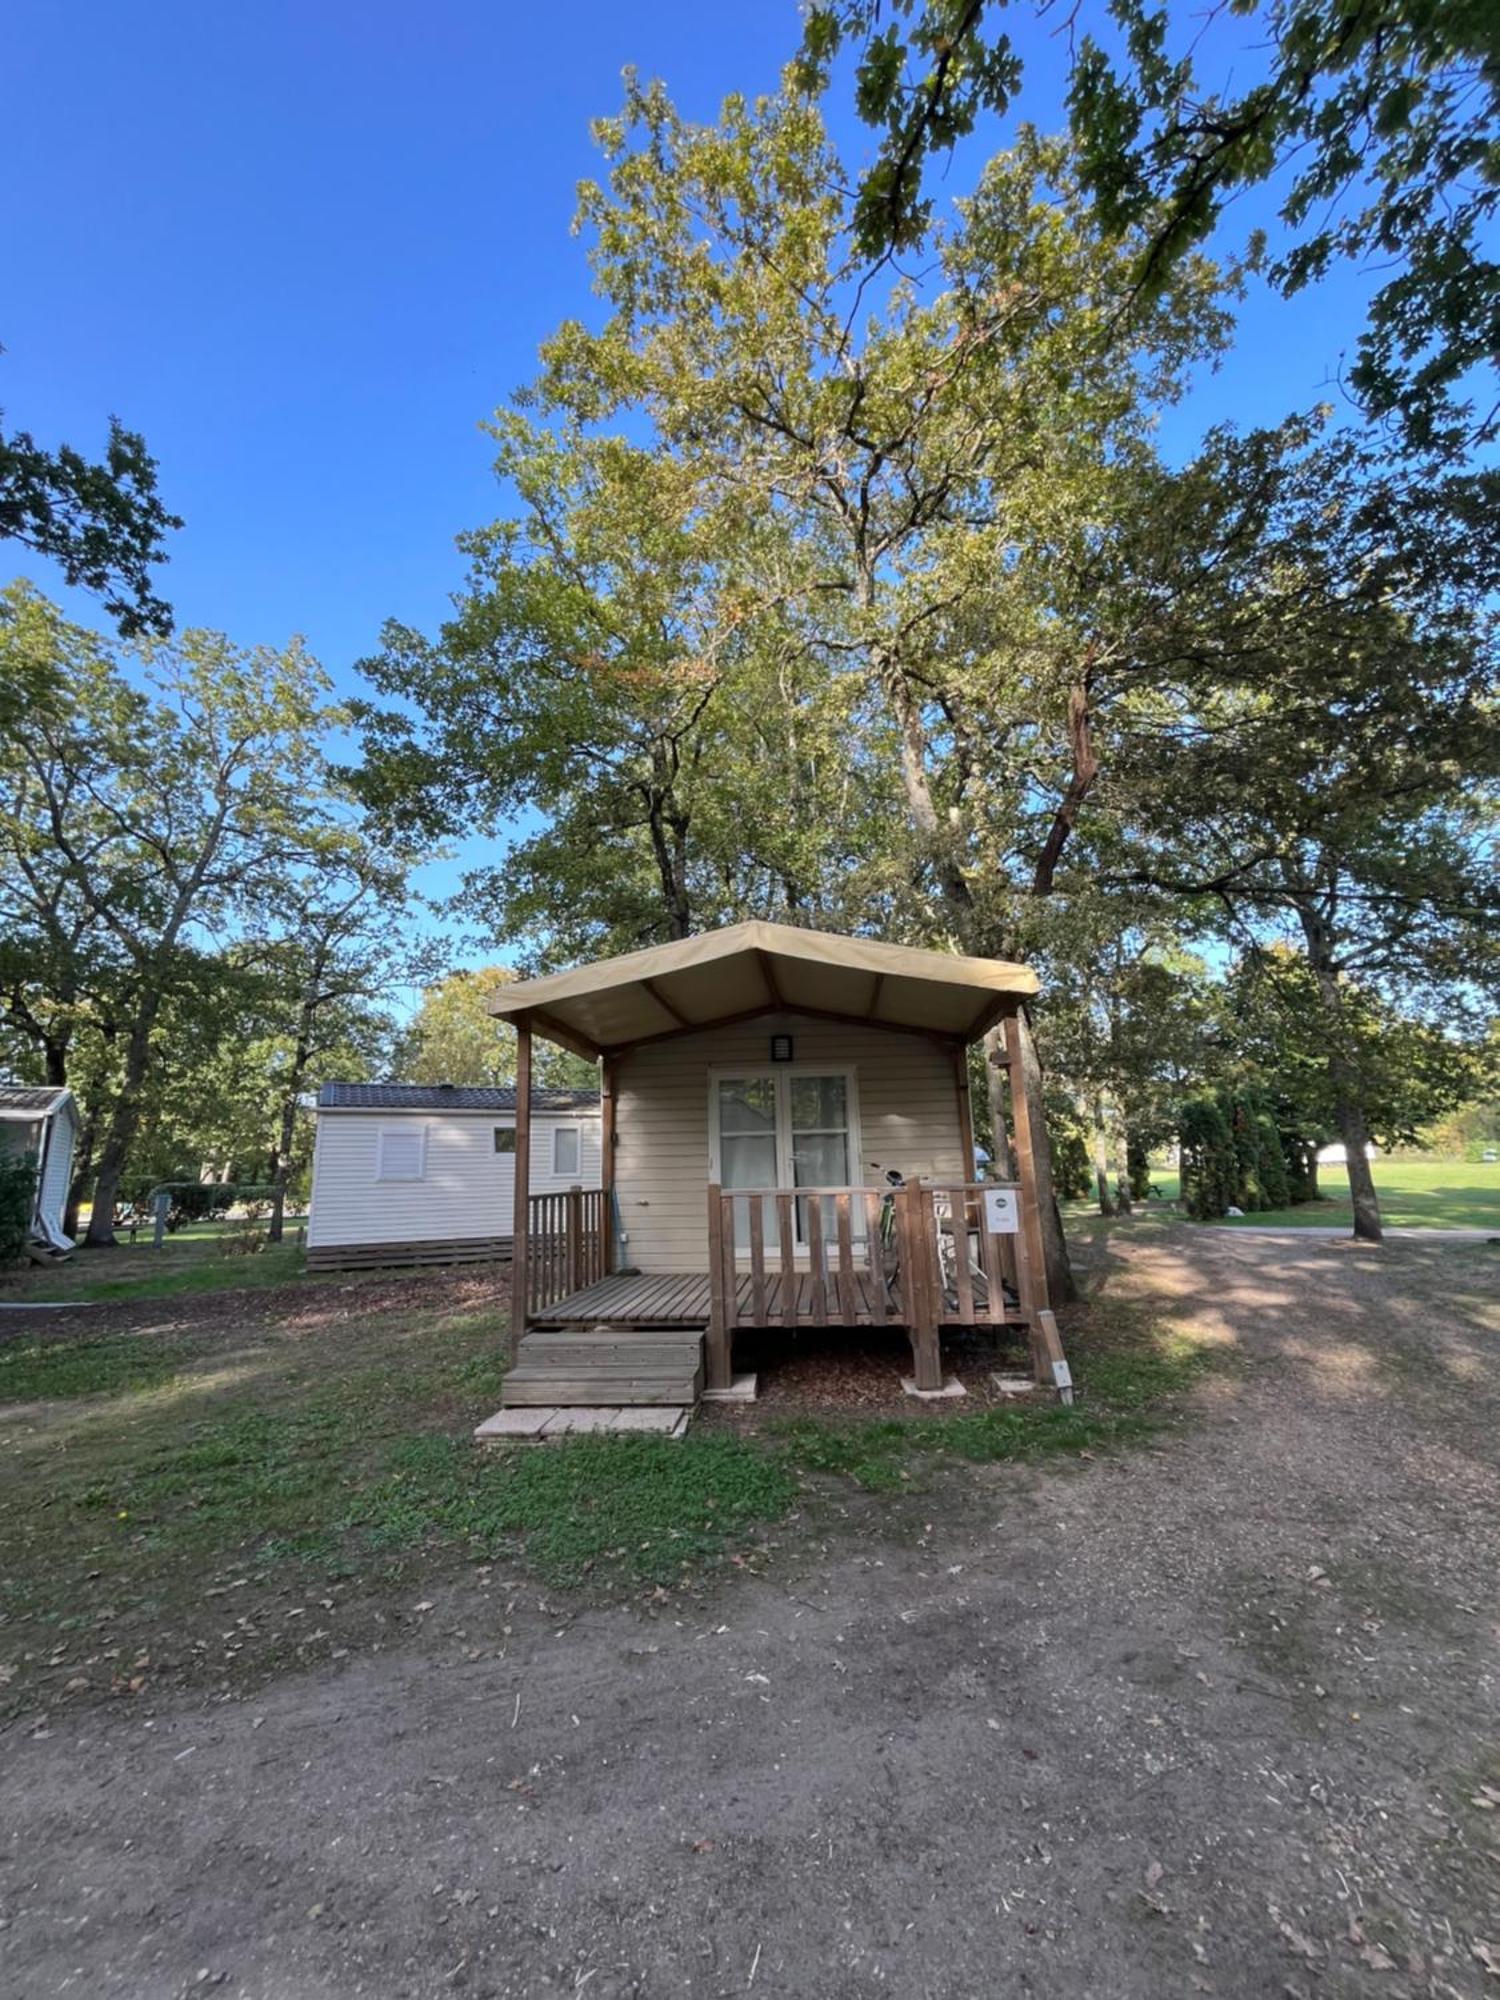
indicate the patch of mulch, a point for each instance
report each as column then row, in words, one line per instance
column 825, row 1371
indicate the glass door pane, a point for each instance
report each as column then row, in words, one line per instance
column 747, row 1146
column 818, row 1109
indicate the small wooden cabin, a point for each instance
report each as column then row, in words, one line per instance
column 786, row 1142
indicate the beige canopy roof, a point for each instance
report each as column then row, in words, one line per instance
column 757, row 968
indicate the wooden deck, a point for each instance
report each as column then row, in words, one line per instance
column 682, row 1299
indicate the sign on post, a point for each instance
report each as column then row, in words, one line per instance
column 1002, row 1211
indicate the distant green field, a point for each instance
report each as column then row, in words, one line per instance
column 1424, row 1194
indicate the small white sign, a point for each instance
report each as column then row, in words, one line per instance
column 1002, row 1211
column 1062, row 1374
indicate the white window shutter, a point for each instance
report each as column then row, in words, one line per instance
column 402, row 1154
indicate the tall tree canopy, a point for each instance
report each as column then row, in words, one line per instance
column 101, row 521
column 1378, row 120
column 149, row 820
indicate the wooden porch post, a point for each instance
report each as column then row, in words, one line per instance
column 719, row 1342
column 965, row 1111
column 607, row 1163
column 521, row 1225
column 919, row 1296
column 1031, row 1215
column 575, row 1237
column 1046, row 1344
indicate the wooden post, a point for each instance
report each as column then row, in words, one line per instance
column 521, row 1226
column 1031, row 1215
column 719, row 1342
column 575, row 1237
column 607, row 1164
column 919, row 1288
column 970, row 1168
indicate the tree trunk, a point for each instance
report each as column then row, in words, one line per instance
column 1101, row 1160
column 83, row 1167
column 124, row 1123
column 1348, row 1106
column 281, row 1171
column 1355, row 1134
column 1124, row 1200
column 281, row 1164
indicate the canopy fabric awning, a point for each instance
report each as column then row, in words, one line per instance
column 760, row 968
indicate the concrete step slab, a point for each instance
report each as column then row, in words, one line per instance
column 537, row 1425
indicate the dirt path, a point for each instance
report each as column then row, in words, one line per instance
column 1208, row 1718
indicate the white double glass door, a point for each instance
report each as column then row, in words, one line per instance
column 782, row 1128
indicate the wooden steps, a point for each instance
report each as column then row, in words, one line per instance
column 606, row 1367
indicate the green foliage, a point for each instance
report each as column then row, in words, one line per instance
column 740, row 643
column 1407, row 1070
column 1376, row 121
column 1072, row 1171
column 1234, row 1154
column 1210, row 1162
column 17, row 1204
column 453, row 1038
column 101, row 522
column 194, row 927
column 191, row 1201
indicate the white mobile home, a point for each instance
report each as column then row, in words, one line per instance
column 40, row 1123
column 415, row 1173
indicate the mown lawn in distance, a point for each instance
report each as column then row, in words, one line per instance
column 1423, row 1194
column 190, row 1260
column 1414, row 1193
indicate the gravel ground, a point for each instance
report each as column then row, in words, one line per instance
column 1217, row 1716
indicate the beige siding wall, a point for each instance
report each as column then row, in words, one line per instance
column 468, row 1189
column 907, row 1105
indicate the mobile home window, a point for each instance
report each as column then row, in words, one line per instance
column 401, row 1154
column 565, row 1150
column 505, row 1138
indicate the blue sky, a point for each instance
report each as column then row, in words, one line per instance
column 306, row 248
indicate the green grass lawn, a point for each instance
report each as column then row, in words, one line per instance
column 1426, row 1194
column 182, row 1495
column 190, row 1260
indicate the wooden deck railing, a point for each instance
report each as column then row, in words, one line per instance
column 916, row 1256
column 567, row 1244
